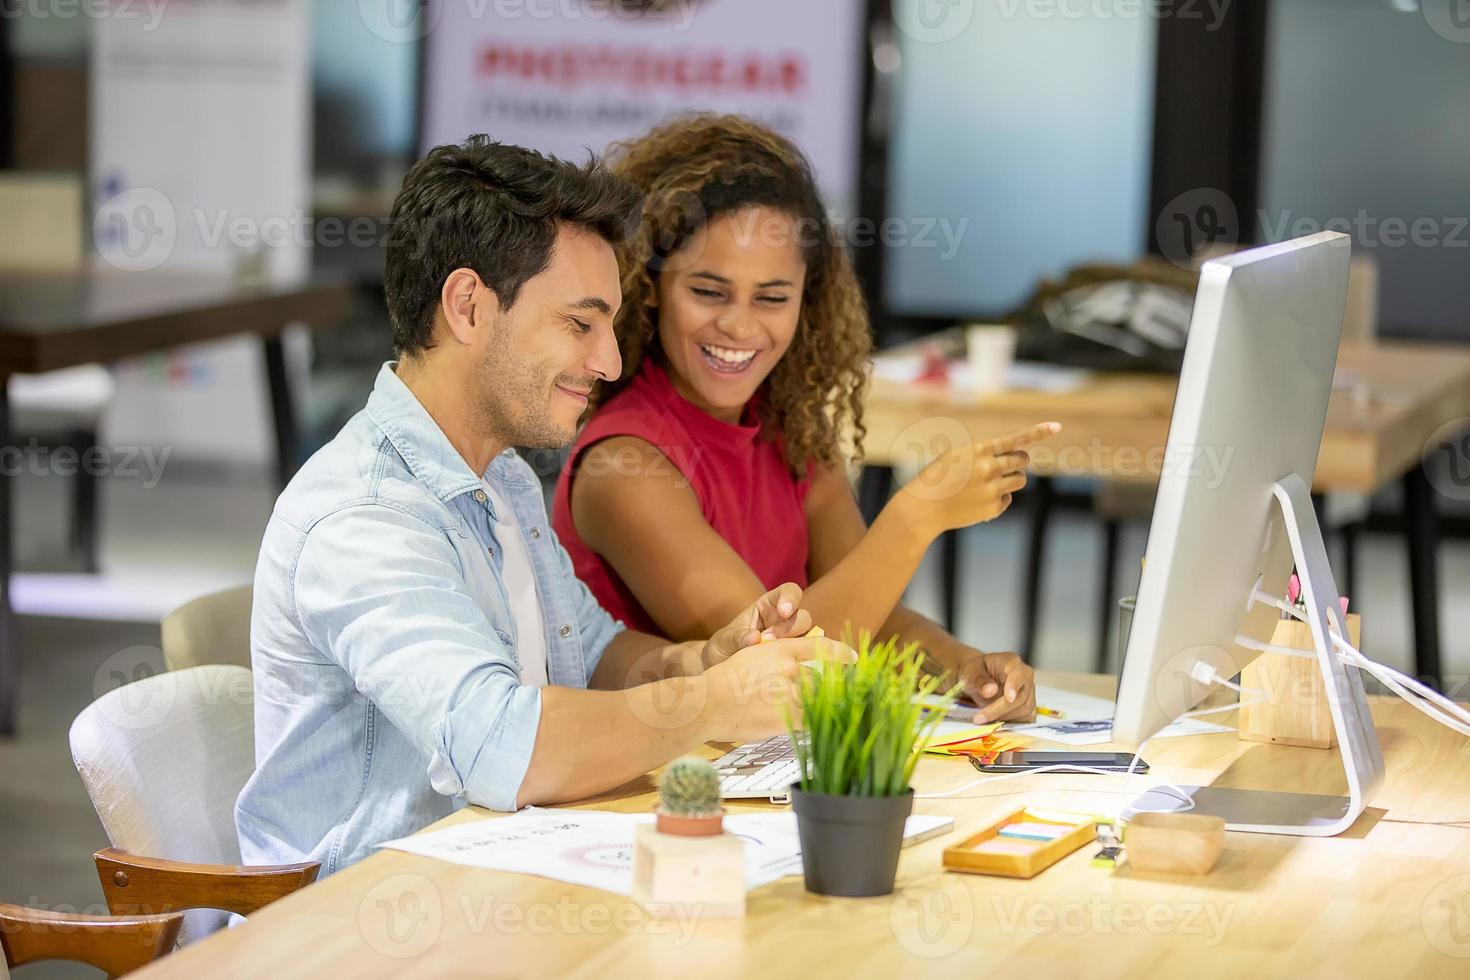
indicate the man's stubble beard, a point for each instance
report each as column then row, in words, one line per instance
column 514, row 397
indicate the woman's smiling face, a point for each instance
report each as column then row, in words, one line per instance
column 728, row 306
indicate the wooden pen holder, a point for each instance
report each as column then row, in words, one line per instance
column 1297, row 710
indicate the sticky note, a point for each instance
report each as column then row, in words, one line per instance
column 1010, row 848
column 1035, row 831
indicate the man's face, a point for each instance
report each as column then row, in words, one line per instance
column 547, row 351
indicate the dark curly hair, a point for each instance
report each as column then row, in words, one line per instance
column 700, row 166
column 493, row 208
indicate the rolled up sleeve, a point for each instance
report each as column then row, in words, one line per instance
column 383, row 594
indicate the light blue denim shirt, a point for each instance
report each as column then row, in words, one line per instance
column 387, row 689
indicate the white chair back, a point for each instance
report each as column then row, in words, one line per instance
column 212, row 629
column 163, row 759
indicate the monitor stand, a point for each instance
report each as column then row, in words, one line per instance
column 1301, row 814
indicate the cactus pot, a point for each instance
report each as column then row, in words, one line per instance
column 709, row 825
column 850, row 844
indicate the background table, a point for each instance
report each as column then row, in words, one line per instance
column 1380, row 900
column 48, row 322
column 1392, row 404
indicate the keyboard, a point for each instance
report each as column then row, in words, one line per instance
column 758, row 770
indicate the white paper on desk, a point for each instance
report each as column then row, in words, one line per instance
column 1088, row 720
column 1074, row 707
column 595, row 847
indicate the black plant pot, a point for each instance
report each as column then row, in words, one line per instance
column 850, row 844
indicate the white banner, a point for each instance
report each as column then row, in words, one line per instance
column 566, row 76
column 201, row 161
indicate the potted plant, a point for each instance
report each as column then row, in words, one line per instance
column 863, row 729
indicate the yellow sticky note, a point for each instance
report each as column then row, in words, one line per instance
column 950, row 744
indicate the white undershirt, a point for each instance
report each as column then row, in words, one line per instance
column 520, row 584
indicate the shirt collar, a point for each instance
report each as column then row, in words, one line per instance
column 418, row 438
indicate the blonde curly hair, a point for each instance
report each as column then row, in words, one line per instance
column 696, row 168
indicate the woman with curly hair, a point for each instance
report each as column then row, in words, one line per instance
column 714, row 468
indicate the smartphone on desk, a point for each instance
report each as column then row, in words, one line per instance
column 1020, row 761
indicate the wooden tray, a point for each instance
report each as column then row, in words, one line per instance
column 964, row 857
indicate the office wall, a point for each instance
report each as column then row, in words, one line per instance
column 365, row 88
column 1034, row 125
column 1368, row 126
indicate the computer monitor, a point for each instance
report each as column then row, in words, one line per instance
column 1234, row 511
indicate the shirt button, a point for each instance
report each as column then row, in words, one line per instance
column 535, row 532
column 565, row 630
column 480, row 496
column 492, row 552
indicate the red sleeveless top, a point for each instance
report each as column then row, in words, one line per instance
column 745, row 490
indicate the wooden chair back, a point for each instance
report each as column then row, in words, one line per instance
column 113, row 944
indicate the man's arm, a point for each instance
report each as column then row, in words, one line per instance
column 382, row 593
column 633, row 658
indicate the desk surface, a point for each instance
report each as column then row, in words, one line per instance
column 1115, row 425
column 1389, row 898
column 52, row 321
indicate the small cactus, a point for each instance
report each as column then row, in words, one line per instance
column 690, row 787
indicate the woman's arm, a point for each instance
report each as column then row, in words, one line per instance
column 1000, row 683
column 648, row 526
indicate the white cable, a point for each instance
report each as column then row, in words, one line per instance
column 1205, row 673
column 1355, row 656
column 1258, row 595
column 1251, row 643
column 1450, row 714
column 1444, row 711
column 1450, row 721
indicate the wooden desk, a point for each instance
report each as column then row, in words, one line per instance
column 1376, row 901
column 53, row 321
column 1115, row 426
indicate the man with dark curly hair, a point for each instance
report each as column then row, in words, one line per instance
column 418, row 638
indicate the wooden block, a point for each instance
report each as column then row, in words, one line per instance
column 1180, row 843
column 674, row 874
column 1297, row 712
